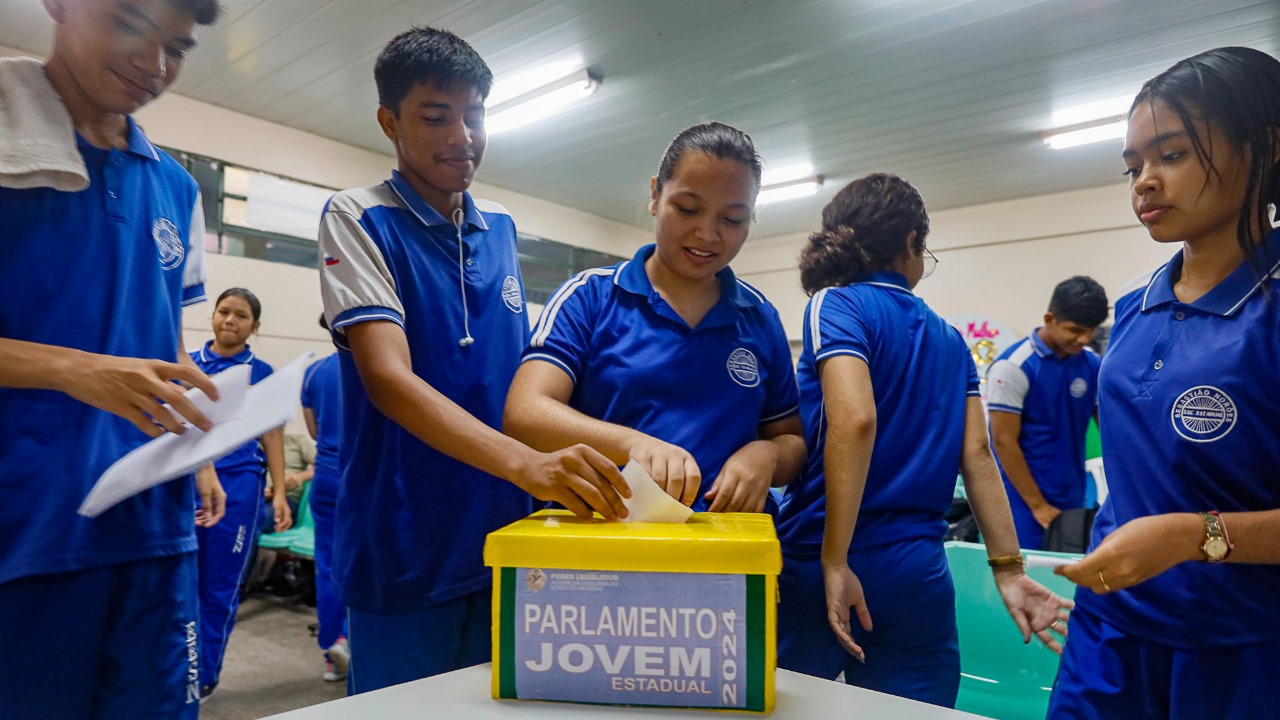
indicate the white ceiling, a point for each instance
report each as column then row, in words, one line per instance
column 951, row 94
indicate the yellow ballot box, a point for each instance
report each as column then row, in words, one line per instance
column 657, row 614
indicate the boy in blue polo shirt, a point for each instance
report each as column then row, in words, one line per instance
column 1041, row 393
column 92, row 284
column 422, row 291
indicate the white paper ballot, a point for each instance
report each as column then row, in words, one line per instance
column 648, row 502
column 1045, row 561
column 241, row 414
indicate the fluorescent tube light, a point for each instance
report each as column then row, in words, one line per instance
column 1088, row 112
column 511, row 87
column 786, row 174
column 1111, row 128
column 540, row 103
column 788, row 191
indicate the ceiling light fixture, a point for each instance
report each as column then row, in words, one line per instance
column 789, row 191
column 533, row 105
column 1108, row 128
column 786, row 174
column 1090, row 111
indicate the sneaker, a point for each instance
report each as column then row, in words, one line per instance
column 206, row 691
column 336, row 661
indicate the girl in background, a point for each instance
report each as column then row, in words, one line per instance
column 225, row 548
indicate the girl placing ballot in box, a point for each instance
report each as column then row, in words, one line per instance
column 889, row 394
column 668, row 358
column 225, row 549
column 1177, row 597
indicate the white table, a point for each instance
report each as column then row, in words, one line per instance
column 464, row 695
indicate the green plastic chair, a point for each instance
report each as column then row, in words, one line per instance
column 304, row 527
column 999, row 676
column 1092, row 441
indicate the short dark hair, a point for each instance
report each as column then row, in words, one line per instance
column 1080, row 300
column 427, row 55
column 711, row 138
column 323, row 323
column 205, row 12
column 864, row 228
column 1236, row 89
column 254, row 306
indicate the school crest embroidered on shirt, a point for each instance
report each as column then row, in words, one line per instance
column 1203, row 414
column 511, row 294
column 168, row 243
column 743, row 367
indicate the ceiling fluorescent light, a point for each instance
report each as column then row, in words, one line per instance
column 1111, row 128
column 540, row 103
column 510, row 87
column 1088, row 112
column 786, row 174
column 788, row 191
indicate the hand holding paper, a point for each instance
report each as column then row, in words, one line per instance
column 648, row 502
column 241, row 414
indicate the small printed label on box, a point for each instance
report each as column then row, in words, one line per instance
column 631, row 638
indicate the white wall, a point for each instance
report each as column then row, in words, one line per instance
column 999, row 260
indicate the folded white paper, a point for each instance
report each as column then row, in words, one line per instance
column 648, row 502
column 1048, row 561
column 241, row 414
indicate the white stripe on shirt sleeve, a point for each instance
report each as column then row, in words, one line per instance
column 1007, row 386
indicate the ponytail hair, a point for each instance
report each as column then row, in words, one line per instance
column 864, row 228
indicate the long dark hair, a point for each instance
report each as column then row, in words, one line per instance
column 1237, row 90
column 864, row 228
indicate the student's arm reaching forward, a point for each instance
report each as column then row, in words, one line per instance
column 578, row 477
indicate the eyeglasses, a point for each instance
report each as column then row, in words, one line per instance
column 930, row 263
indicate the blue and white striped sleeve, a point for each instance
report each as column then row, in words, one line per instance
column 782, row 396
column 837, row 326
column 1007, row 387
column 355, row 281
column 562, row 336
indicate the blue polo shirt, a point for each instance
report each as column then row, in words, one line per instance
column 321, row 393
column 105, row 270
column 635, row 362
column 249, row 457
column 922, row 376
column 1055, row 397
column 411, row 520
column 1190, row 422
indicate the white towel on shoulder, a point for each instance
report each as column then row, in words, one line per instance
column 37, row 140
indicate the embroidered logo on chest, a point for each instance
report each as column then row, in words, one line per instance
column 511, row 294
column 168, row 243
column 1203, row 414
column 743, row 367
column 1079, row 387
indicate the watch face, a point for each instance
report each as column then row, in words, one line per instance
column 1215, row 548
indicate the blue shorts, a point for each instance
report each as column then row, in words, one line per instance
column 388, row 650
column 117, row 641
column 914, row 650
column 1107, row 674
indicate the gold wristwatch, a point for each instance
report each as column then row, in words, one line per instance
column 1216, row 546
